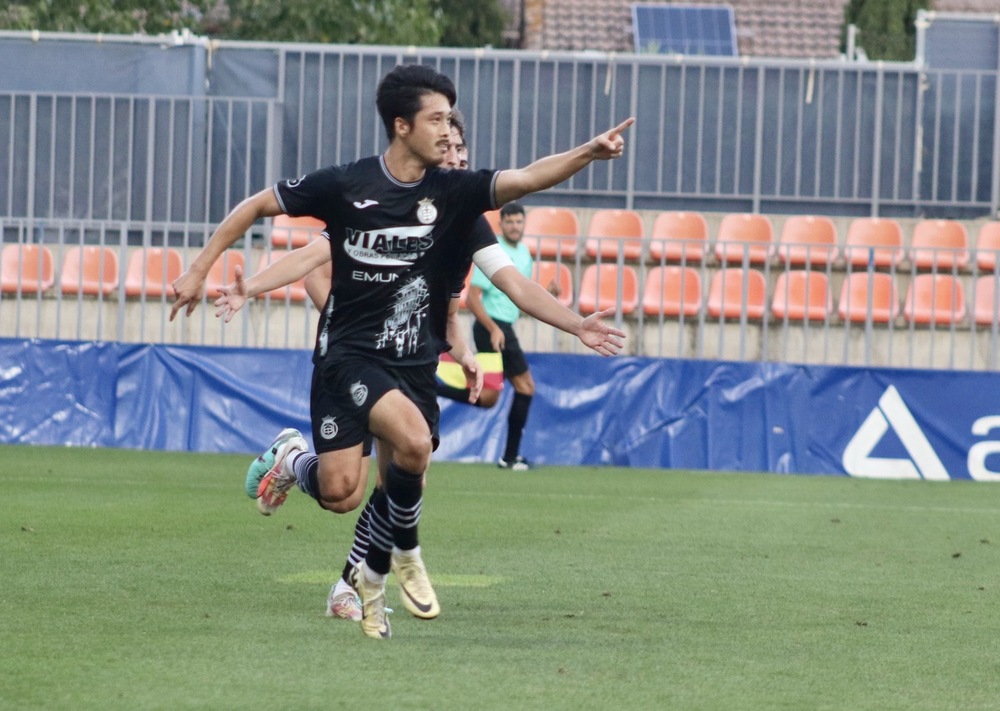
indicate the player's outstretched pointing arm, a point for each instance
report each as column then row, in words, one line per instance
column 552, row 170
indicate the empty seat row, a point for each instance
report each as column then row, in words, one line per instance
column 809, row 240
column 798, row 294
column 94, row 270
column 806, row 295
column 671, row 290
column 30, row 269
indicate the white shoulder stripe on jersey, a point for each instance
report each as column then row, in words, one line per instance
column 277, row 195
column 493, row 190
column 491, row 259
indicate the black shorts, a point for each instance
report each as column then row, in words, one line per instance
column 345, row 389
column 514, row 362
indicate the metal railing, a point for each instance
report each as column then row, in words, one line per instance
column 958, row 330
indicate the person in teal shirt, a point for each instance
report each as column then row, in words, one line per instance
column 493, row 331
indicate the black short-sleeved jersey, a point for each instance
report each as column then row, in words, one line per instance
column 391, row 243
column 454, row 267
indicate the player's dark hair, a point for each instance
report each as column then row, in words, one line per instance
column 511, row 208
column 457, row 120
column 401, row 91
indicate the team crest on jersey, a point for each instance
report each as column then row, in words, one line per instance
column 426, row 212
column 328, row 428
column 359, row 393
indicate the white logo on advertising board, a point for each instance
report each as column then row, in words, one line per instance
column 891, row 412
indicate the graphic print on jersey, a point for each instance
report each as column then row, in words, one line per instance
column 409, row 309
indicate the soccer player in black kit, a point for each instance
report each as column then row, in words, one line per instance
column 392, row 221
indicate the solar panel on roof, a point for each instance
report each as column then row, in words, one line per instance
column 684, row 29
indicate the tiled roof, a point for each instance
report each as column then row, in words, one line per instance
column 764, row 28
column 772, row 28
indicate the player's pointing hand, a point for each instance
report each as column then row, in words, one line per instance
column 610, row 144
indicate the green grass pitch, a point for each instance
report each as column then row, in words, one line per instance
column 147, row 580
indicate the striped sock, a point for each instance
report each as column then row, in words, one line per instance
column 305, row 466
column 379, row 552
column 405, row 493
column 362, row 537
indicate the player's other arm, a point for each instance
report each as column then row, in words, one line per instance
column 533, row 299
column 288, row 269
column 552, row 170
column 189, row 286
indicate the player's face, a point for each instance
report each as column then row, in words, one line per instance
column 512, row 227
column 452, row 159
column 463, row 156
column 429, row 135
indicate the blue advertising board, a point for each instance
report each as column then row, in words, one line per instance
column 587, row 410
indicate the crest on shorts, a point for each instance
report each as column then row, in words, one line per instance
column 426, row 212
column 359, row 393
column 328, row 428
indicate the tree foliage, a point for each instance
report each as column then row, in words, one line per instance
column 397, row 22
column 886, row 27
column 426, row 23
column 472, row 23
column 112, row 17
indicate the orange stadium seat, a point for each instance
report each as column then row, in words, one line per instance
column 89, row 270
column 293, row 232
column 223, row 272
column 988, row 246
column 295, row 292
column 726, row 298
column 679, row 237
column 741, row 233
column 599, row 288
column 493, row 217
column 802, row 295
column 860, row 287
column 28, row 268
column 672, row 290
column 614, row 231
column 986, row 300
column 934, row 299
column 941, row 245
column 552, row 232
column 152, row 270
column 876, row 239
column 808, row 240
column 546, row 272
